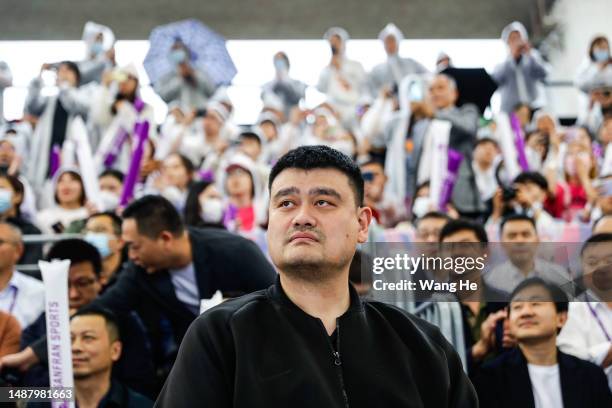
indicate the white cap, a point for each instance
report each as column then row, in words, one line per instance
column 391, row 29
column 339, row 31
column 514, row 26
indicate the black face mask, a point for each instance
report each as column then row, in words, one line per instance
column 335, row 50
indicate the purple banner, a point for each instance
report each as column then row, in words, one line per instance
column 454, row 162
column 519, row 142
column 142, row 133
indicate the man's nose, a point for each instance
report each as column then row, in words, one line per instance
column 304, row 216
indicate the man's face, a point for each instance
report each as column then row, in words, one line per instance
column 528, row 194
column 443, row 95
column 597, row 267
column 103, row 224
column 485, row 153
column 391, row 46
column 314, row 223
column 533, row 315
column 83, row 285
column 151, row 254
column 463, row 244
column 7, row 153
column 10, row 249
column 519, row 240
column 65, row 74
column 250, row 147
column 93, row 351
column 110, row 184
column 428, row 229
column 374, row 182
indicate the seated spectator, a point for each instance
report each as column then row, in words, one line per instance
column 483, row 312
column 587, row 333
column 10, row 334
column 84, row 285
column 103, row 231
column 429, row 226
column 13, row 151
column 204, row 206
column 96, row 345
column 111, row 186
column 70, row 199
column 171, row 269
column 386, row 210
column 599, row 60
column 20, row 295
column 527, row 196
column 176, row 177
column 518, row 76
column 520, row 242
column 11, row 197
column 242, row 187
column 536, row 373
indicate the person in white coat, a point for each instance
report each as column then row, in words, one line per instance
column 588, row 331
column 6, row 80
column 343, row 81
column 390, row 73
column 56, row 113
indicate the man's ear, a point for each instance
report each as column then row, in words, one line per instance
column 116, row 348
column 166, row 236
column 365, row 217
column 561, row 319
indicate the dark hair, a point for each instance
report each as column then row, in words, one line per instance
column 114, row 173
column 187, row 164
column 433, row 215
column 603, row 217
column 74, row 68
column 532, row 177
column 112, row 323
column 17, row 187
column 463, row 224
column 594, row 41
column 595, row 239
column 154, row 214
column 76, row 251
column 321, row 157
column 516, row 217
column 557, row 295
column 76, row 176
column 192, row 206
column 250, row 135
column 115, row 220
column 484, row 140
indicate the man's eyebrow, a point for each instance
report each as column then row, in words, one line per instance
column 285, row 192
column 324, row 191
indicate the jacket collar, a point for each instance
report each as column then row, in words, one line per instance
column 277, row 293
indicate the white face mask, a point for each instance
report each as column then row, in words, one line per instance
column 109, row 201
column 212, row 210
column 421, row 206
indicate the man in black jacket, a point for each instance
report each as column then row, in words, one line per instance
column 171, row 269
column 537, row 374
column 308, row 340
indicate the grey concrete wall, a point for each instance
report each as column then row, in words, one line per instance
column 260, row 19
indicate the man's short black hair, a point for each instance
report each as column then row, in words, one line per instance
column 114, row 173
column 595, row 239
column 76, row 251
column 516, row 217
column 153, row 215
column 72, row 66
column 484, row 140
column 532, row 177
column 557, row 295
column 115, row 219
column 603, row 217
column 250, row 135
column 321, row 157
column 432, row 215
column 462, row 224
column 112, row 323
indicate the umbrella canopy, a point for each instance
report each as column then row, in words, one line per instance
column 475, row 85
column 207, row 51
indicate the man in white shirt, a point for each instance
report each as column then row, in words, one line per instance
column 536, row 374
column 520, row 242
column 588, row 331
column 20, row 295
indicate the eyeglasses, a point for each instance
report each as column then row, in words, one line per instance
column 81, row 283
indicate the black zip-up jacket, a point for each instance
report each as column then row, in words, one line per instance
column 261, row 350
